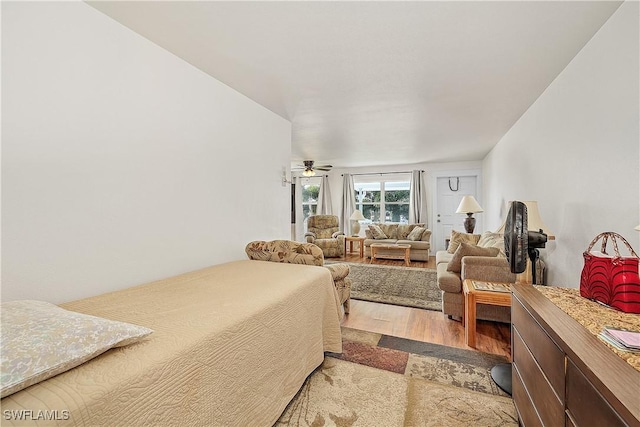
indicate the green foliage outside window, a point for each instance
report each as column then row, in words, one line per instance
column 310, row 193
column 395, row 204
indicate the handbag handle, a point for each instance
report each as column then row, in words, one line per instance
column 605, row 237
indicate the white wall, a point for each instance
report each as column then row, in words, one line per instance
column 576, row 150
column 121, row 163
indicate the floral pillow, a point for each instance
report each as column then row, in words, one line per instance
column 457, row 238
column 416, row 233
column 40, row 340
column 377, row 232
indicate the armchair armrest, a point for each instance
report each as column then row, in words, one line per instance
column 310, row 237
column 490, row 269
column 336, row 234
column 338, row 271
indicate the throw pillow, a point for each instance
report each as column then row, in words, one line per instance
column 457, row 238
column 40, row 340
column 465, row 249
column 492, row 240
column 377, row 232
column 416, row 233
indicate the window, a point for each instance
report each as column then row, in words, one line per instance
column 310, row 192
column 388, row 197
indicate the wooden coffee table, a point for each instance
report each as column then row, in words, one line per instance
column 352, row 239
column 391, row 247
column 496, row 294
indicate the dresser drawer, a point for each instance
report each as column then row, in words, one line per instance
column 585, row 406
column 526, row 411
column 549, row 407
column 546, row 353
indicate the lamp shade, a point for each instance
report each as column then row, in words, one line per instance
column 357, row 216
column 468, row 204
column 534, row 220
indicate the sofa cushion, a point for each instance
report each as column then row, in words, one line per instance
column 419, row 245
column 443, row 256
column 492, row 240
column 368, row 242
column 415, row 234
column 465, row 249
column 377, row 232
column 448, row 281
column 457, row 237
column 390, row 229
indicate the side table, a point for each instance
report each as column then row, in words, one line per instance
column 479, row 292
column 352, row 239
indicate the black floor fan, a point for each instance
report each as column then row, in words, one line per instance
column 518, row 243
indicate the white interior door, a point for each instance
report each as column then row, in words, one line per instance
column 450, row 191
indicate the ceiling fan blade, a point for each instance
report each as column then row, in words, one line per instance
column 321, row 169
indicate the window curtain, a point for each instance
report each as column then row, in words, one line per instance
column 417, row 198
column 324, row 197
column 348, row 203
column 300, row 226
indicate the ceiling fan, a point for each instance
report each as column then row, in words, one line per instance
column 309, row 170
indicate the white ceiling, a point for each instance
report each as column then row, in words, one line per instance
column 378, row 83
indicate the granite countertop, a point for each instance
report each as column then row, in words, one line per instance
column 594, row 317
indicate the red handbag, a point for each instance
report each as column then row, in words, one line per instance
column 611, row 279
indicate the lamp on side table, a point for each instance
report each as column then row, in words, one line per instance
column 355, row 218
column 469, row 206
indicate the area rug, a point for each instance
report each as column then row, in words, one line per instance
column 434, row 362
column 407, row 286
column 373, row 391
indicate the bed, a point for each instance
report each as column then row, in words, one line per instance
column 231, row 345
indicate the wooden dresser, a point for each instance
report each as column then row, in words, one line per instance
column 563, row 375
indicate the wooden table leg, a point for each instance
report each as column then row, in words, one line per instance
column 470, row 319
column 350, row 246
column 406, row 256
column 361, row 243
column 373, row 254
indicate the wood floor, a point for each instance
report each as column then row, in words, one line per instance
column 422, row 325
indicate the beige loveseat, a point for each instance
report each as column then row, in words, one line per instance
column 399, row 233
column 486, row 268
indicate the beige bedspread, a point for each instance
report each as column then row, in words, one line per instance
column 232, row 345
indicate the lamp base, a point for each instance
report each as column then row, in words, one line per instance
column 355, row 228
column 469, row 223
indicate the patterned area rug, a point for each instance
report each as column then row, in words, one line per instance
column 382, row 380
column 408, row 286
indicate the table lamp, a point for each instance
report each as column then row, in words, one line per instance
column 355, row 218
column 469, row 206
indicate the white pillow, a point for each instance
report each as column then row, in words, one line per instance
column 40, row 340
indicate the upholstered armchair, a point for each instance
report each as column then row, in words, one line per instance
column 323, row 231
column 302, row 253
